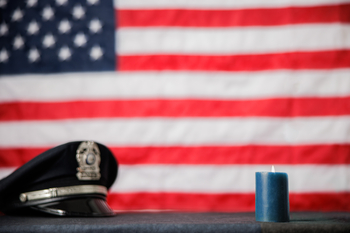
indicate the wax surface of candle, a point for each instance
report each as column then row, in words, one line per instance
column 271, row 197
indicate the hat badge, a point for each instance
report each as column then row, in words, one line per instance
column 88, row 158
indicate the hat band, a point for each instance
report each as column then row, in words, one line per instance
column 62, row 191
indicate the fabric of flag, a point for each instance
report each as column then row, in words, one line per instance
column 193, row 97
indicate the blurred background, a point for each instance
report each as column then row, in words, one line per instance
column 193, row 97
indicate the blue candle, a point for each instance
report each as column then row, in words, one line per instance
column 271, row 197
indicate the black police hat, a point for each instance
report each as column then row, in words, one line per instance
column 69, row 180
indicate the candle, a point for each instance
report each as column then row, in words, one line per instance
column 271, row 196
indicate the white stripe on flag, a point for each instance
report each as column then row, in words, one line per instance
column 182, row 131
column 225, row 41
column 223, row 178
column 5, row 171
column 217, row 4
column 205, row 85
column 227, row 178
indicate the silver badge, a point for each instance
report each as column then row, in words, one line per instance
column 88, row 157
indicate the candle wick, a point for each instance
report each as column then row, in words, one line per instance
column 273, row 169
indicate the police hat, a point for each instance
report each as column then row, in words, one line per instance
column 69, row 180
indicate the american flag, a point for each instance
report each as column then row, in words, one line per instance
column 193, row 97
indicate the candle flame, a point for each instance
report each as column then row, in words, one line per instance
column 273, row 169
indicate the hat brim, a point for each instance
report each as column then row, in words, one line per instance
column 88, row 207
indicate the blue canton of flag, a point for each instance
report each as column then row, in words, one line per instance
column 56, row 36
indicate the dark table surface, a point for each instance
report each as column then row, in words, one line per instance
column 178, row 222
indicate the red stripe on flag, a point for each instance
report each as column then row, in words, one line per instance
column 288, row 107
column 224, row 202
column 221, row 155
column 252, row 62
column 320, row 201
column 233, row 17
column 182, row 201
column 16, row 157
column 216, row 155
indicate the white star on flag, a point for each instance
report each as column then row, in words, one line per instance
column 92, row 2
column 61, row 2
column 47, row 13
column 49, row 41
column 64, row 26
column 17, row 15
column 78, row 12
column 96, row 52
column 33, row 55
column 64, row 53
column 80, row 40
column 4, row 56
column 95, row 26
column 33, row 28
column 3, row 29
column 3, row 3
column 18, row 42
column 31, row 3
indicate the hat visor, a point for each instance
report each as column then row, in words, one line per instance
column 88, row 207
